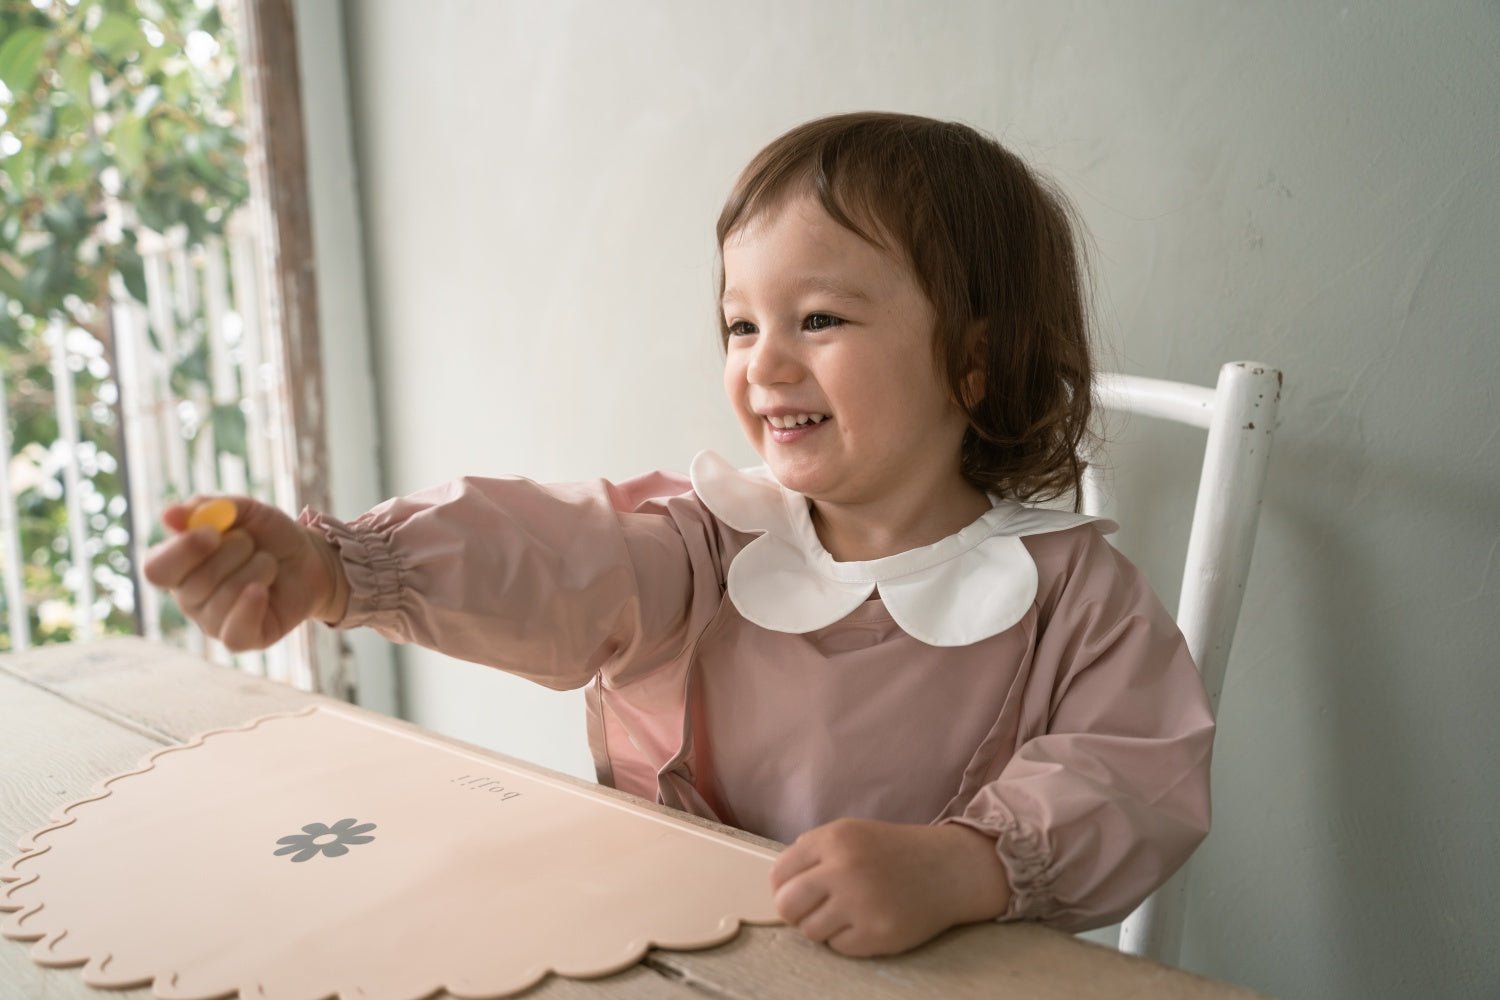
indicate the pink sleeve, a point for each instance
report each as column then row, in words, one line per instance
column 1110, row 794
column 553, row 583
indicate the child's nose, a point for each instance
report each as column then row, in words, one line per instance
column 772, row 360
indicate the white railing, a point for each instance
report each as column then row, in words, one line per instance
column 205, row 298
column 10, row 538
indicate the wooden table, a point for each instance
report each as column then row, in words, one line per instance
column 73, row 715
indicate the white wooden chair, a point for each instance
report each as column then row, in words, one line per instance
column 1239, row 414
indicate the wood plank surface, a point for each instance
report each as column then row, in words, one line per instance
column 74, row 715
column 175, row 695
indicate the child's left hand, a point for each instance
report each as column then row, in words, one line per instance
column 872, row 888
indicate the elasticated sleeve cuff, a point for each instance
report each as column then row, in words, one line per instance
column 1027, row 862
column 370, row 565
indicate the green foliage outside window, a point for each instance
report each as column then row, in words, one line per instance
column 134, row 102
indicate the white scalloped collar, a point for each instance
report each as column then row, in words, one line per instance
column 958, row 590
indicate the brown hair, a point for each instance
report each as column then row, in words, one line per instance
column 991, row 244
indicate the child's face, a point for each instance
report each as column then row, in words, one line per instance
column 824, row 324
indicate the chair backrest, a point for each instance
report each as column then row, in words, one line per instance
column 1239, row 414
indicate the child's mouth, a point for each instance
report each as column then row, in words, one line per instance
column 787, row 430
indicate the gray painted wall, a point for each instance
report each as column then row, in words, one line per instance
column 1311, row 185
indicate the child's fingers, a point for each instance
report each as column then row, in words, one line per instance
column 172, row 561
column 799, row 897
column 852, row 943
column 798, row 857
column 176, row 516
column 245, row 625
column 824, row 922
column 258, row 573
column 211, row 617
column 199, row 586
column 259, row 568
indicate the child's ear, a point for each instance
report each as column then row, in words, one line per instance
column 973, row 389
column 976, row 344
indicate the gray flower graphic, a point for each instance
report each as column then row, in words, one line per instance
column 330, row 840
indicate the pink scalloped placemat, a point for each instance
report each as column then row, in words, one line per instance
column 324, row 852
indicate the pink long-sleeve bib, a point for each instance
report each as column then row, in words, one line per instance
column 1018, row 677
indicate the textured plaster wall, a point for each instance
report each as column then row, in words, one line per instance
column 1312, row 185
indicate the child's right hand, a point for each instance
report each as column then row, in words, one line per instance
column 253, row 584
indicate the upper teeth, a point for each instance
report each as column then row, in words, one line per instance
column 798, row 420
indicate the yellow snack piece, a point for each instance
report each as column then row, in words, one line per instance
column 218, row 514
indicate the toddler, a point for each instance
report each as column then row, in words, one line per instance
column 952, row 706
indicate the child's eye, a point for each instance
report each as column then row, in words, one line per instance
column 822, row 321
column 739, row 328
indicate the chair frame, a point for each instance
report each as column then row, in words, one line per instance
column 1239, row 414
